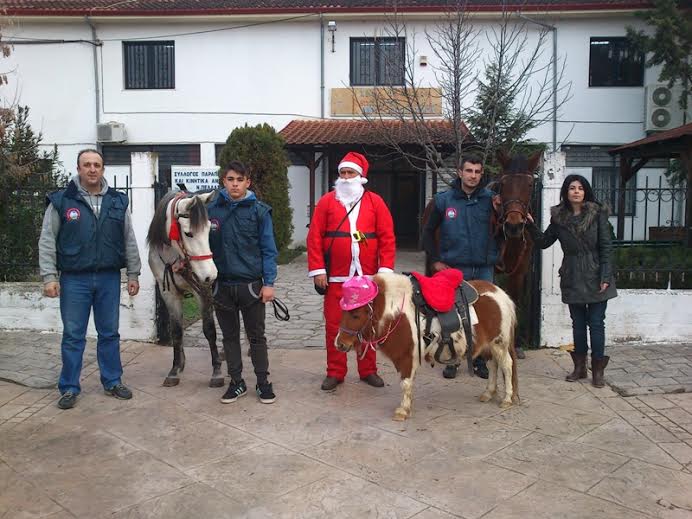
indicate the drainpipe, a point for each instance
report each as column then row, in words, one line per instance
column 97, row 90
column 323, row 162
column 553, row 29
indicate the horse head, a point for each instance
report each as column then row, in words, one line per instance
column 190, row 213
column 357, row 321
column 515, row 187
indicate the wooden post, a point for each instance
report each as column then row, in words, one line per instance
column 686, row 162
column 625, row 168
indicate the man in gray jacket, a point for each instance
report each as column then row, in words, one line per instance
column 87, row 238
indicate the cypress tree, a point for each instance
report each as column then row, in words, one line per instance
column 261, row 149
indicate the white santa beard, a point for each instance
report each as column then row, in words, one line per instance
column 349, row 190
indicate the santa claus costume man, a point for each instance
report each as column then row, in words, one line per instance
column 353, row 228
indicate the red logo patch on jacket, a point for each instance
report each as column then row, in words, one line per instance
column 73, row 214
column 450, row 213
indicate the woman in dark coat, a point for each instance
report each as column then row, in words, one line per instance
column 586, row 276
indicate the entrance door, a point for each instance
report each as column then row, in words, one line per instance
column 401, row 191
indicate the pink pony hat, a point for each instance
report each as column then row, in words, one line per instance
column 357, row 291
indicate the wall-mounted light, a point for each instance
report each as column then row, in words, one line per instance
column 331, row 27
column 423, row 61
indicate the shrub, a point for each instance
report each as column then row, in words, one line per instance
column 261, row 149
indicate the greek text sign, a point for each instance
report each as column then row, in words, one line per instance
column 195, row 178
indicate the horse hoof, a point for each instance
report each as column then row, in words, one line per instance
column 171, row 381
column 486, row 397
column 400, row 415
column 505, row 404
column 515, row 400
column 217, row 382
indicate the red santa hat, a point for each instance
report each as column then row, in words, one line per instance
column 355, row 161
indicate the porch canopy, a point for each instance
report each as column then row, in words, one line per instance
column 307, row 138
column 675, row 143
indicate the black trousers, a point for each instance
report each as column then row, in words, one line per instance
column 236, row 299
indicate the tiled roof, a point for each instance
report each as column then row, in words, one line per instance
column 325, row 132
column 217, row 7
column 659, row 138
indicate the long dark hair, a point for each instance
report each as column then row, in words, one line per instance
column 588, row 191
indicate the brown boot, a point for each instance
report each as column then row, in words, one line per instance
column 579, row 360
column 330, row 383
column 597, row 368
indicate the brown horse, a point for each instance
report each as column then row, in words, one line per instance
column 515, row 187
column 388, row 322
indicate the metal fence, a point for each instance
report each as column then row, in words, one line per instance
column 650, row 250
column 22, row 216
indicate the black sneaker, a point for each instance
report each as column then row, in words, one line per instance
column 265, row 393
column 67, row 400
column 450, row 371
column 119, row 391
column 480, row 369
column 234, row 392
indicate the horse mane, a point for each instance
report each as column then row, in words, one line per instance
column 518, row 164
column 198, row 214
column 157, row 235
column 394, row 288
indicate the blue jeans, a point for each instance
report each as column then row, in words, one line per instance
column 485, row 273
column 593, row 316
column 79, row 293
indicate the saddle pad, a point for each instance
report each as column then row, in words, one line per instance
column 473, row 315
column 439, row 291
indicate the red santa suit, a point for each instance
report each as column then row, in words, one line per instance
column 372, row 221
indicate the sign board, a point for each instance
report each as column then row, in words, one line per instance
column 195, row 178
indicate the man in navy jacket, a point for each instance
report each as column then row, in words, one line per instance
column 463, row 215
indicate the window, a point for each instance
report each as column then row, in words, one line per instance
column 615, row 62
column 377, row 61
column 149, row 64
column 606, row 182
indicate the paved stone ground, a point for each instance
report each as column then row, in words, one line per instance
column 569, row 451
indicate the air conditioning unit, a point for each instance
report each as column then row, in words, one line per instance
column 663, row 110
column 111, row 132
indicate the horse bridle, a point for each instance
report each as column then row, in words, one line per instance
column 373, row 343
column 187, row 257
column 505, row 203
column 523, row 211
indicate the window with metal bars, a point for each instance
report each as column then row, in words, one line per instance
column 377, row 61
column 614, row 61
column 149, row 64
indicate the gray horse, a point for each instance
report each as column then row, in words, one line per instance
column 181, row 260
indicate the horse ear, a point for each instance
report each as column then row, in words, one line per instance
column 534, row 160
column 503, row 158
column 206, row 197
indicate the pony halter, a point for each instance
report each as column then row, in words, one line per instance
column 174, row 232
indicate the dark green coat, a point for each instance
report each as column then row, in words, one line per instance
column 587, row 247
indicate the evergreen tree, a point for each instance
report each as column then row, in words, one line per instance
column 670, row 45
column 494, row 120
column 261, row 149
column 27, row 175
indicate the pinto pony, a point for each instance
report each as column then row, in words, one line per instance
column 387, row 321
column 181, row 261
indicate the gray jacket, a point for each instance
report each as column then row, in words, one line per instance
column 47, row 259
column 587, row 247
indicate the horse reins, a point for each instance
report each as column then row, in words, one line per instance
column 373, row 343
column 524, row 211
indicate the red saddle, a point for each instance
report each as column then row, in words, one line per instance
column 439, row 290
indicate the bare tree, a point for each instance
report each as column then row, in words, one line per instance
column 523, row 87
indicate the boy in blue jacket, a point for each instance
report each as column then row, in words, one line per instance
column 242, row 241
